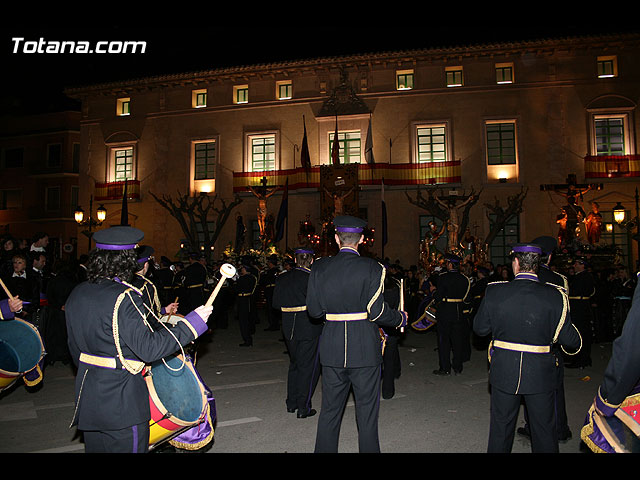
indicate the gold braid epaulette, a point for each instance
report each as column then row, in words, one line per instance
column 116, row 334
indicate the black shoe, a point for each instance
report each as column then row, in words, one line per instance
column 565, row 437
column 310, row 413
column 291, row 410
column 387, row 395
column 245, row 344
column 524, row 431
column 441, row 372
column 457, row 372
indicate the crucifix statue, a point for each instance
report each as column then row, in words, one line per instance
column 572, row 214
column 453, row 221
column 262, row 193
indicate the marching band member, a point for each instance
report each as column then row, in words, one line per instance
column 110, row 345
column 451, row 291
column 347, row 290
column 301, row 334
column 525, row 317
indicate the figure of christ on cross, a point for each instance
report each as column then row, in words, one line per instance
column 262, row 194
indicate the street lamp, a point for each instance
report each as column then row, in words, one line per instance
column 101, row 215
column 619, row 216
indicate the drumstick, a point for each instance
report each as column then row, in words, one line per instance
column 6, row 290
column 401, row 299
column 227, row 270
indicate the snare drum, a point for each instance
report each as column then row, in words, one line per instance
column 427, row 319
column 21, row 353
column 177, row 398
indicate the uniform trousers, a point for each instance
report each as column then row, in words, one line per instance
column 504, row 415
column 133, row 439
column 451, row 335
column 562, row 421
column 336, row 384
column 247, row 325
column 304, row 372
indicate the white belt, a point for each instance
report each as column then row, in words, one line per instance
column 346, row 317
column 106, row 362
column 294, row 309
column 521, row 347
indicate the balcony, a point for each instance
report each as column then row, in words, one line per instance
column 432, row 173
column 114, row 190
column 611, row 166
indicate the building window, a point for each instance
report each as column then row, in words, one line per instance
column 284, row 90
column 75, row 158
column 431, row 143
column 13, row 157
column 607, row 67
column 404, row 79
column 54, row 155
column 501, row 143
column 610, row 136
column 504, row 73
column 205, row 160
column 241, row 94
column 501, row 246
column 74, row 196
column 349, row 149
column 123, row 164
column 199, row 98
column 122, row 106
column 454, row 76
column 10, row 198
column 52, row 202
column 262, row 148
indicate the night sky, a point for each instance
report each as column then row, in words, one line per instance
column 176, row 50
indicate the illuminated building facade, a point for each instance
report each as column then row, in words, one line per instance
column 494, row 118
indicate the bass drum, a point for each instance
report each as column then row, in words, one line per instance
column 176, row 396
column 21, row 353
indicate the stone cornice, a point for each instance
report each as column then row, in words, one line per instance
column 332, row 64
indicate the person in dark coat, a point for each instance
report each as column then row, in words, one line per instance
column 451, row 292
column 23, row 284
column 163, row 278
column 110, row 345
column 347, row 290
column 300, row 333
column 391, row 366
column 546, row 275
column 476, row 294
column 268, row 281
column 582, row 287
column 525, row 318
column 53, row 324
column 193, row 282
column 243, row 289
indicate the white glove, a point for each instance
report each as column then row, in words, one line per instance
column 204, row 312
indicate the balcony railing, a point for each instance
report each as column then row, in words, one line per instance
column 431, row 173
column 611, row 166
column 114, row 191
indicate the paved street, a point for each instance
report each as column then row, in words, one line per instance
column 428, row 414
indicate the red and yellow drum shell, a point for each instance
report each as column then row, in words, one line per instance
column 177, row 398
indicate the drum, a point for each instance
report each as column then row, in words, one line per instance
column 427, row 319
column 176, row 396
column 21, row 353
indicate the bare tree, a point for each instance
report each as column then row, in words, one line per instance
column 191, row 212
column 502, row 215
